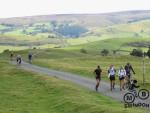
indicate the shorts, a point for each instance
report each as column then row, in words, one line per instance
column 112, row 77
column 121, row 78
column 98, row 77
column 19, row 61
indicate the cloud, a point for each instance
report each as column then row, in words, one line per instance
column 13, row 8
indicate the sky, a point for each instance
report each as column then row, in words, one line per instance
column 19, row 8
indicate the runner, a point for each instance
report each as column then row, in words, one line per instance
column 11, row 56
column 97, row 72
column 128, row 68
column 111, row 76
column 30, row 58
column 19, row 59
column 121, row 74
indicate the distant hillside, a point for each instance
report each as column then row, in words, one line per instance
column 87, row 20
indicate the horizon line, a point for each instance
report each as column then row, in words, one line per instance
column 82, row 13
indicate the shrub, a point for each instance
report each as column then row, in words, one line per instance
column 104, row 52
column 70, row 30
column 83, row 51
column 50, row 36
column 6, row 50
column 137, row 52
column 148, row 52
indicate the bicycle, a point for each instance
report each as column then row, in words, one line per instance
column 127, row 83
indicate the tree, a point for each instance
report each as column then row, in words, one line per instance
column 137, row 52
column 70, row 30
column 148, row 52
column 83, row 51
column 6, row 50
column 136, row 35
column 104, row 52
column 114, row 52
column 24, row 31
column 54, row 24
column 51, row 36
column 142, row 31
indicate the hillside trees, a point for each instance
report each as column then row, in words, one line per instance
column 70, row 30
column 105, row 52
column 148, row 52
column 137, row 52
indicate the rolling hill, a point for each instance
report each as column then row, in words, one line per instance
column 73, row 29
column 90, row 20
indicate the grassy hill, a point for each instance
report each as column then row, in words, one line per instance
column 53, row 29
column 90, row 20
column 134, row 29
column 119, row 45
column 95, row 38
column 32, row 25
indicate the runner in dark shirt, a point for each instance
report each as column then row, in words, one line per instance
column 30, row 58
column 97, row 73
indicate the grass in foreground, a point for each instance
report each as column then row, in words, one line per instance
column 25, row 92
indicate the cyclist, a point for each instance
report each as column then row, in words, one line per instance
column 128, row 68
column 127, row 81
column 133, row 87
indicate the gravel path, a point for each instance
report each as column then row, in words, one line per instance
column 82, row 81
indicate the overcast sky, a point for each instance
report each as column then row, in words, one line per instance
column 17, row 8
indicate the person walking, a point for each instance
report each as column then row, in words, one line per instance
column 19, row 59
column 30, row 58
column 111, row 76
column 11, row 56
column 121, row 74
column 97, row 72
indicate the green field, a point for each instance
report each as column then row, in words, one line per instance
column 33, row 32
column 97, row 38
column 119, row 44
column 74, row 61
column 27, row 92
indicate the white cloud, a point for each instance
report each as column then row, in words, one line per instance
column 13, row 8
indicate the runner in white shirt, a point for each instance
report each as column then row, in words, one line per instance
column 111, row 76
column 121, row 74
